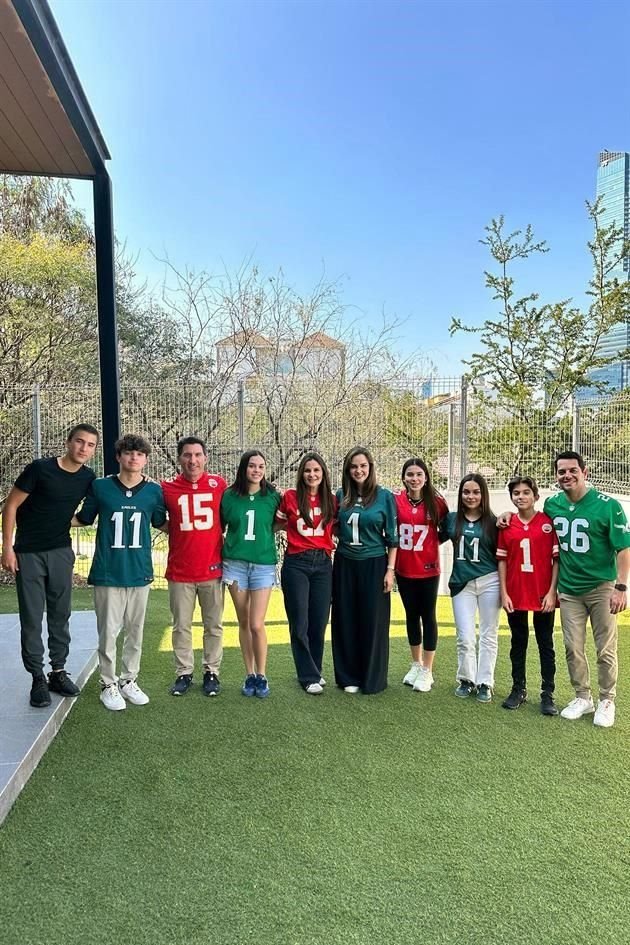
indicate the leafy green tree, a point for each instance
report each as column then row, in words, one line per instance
column 535, row 356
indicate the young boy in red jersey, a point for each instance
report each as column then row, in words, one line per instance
column 194, row 569
column 528, row 574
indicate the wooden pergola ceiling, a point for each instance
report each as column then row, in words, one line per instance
column 37, row 135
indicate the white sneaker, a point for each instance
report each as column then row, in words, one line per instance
column 351, row 689
column 314, row 688
column 322, row 681
column 112, row 699
column 577, row 708
column 412, row 675
column 605, row 715
column 424, row 682
column 132, row 692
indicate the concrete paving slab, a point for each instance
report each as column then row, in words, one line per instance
column 25, row 732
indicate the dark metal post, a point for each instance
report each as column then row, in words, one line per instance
column 107, row 332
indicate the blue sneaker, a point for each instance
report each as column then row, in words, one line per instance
column 465, row 688
column 484, row 693
column 249, row 686
column 262, row 686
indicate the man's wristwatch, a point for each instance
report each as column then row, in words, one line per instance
column 621, row 587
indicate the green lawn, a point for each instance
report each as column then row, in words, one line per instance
column 397, row 818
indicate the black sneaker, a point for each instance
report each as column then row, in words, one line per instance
column 61, row 683
column 181, row 685
column 515, row 699
column 465, row 688
column 211, row 685
column 547, row 705
column 40, row 696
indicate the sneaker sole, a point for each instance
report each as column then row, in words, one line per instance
column 40, row 705
column 211, row 694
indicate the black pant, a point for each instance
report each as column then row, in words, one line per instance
column 45, row 579
column 419, row 597
column 306, row 580
column 360, row 623
column 543, row 628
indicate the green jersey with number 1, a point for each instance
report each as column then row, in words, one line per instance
column 590, row 533
column 249, row 520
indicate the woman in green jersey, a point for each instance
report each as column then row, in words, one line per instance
column 474, row 586
column 363, row 574
column 248, row 510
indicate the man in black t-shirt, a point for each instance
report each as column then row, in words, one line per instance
column 42, row 502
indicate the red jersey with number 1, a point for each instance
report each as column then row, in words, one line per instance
column 195, row 536
column 528, row 548
column 300, row 536
column 418, row 546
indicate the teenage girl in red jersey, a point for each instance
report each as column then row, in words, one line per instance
column 308, row 512
column 419, row 509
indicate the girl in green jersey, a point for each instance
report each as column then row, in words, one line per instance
column 248, row 510
column 474, row 586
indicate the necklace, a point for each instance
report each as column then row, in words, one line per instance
column 414, row 501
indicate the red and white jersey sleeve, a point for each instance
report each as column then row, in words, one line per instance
column 195, row 536
column 303, row 537
column 528, row 548
column 418, row 546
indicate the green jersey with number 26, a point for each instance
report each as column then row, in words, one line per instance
column 590, row 533
column 249, row 520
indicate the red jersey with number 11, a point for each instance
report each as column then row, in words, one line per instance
column 528, row 548
column 418, row 546
column 195, row 536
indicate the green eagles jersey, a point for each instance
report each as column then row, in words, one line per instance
column 367, row 532
column 590, row 533
column 122, row 557
column 474, row 555
column 249, row 521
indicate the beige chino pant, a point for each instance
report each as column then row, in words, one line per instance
column 120, row 608
column 574, row 612
column 182, row 599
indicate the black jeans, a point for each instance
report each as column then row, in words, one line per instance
column 543, row 628
column 306, row 580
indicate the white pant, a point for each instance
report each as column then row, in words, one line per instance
column 120, row 608
column 483, row 594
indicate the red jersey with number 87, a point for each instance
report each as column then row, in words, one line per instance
column 418, row 546
column 195, row 536
column 528, row 548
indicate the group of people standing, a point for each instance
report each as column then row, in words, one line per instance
column 344, row 551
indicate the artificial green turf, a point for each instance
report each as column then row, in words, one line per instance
column 395, row 818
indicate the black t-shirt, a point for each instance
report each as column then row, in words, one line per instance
column 43, row 520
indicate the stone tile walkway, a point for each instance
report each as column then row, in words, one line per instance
column 25, row 732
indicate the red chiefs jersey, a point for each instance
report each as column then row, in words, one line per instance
column 528, row 550
column 300, row 536
column 418, row 546
column 195, row 536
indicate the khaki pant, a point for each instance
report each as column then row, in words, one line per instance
column 120, row 608
column 182, row 598
column 574, row 611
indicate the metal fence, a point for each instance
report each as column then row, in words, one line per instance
column 455, row 426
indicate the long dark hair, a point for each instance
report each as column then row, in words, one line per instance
column 324, row 492
column 348, row 485
column 488, row 518
column 240, row 485
column 429, row 494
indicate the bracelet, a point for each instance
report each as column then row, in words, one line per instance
column 390, row 567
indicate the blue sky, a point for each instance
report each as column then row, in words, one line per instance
column 371, row 140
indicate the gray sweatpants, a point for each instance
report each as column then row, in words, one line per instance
column 44, row 580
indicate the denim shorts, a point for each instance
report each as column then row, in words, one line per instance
column 248, row 576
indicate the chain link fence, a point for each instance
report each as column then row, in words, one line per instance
column 456, row 427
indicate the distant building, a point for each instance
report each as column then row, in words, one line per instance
column 316, row 355
column 613, row 186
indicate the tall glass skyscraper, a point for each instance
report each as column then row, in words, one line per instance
column 613, row 186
